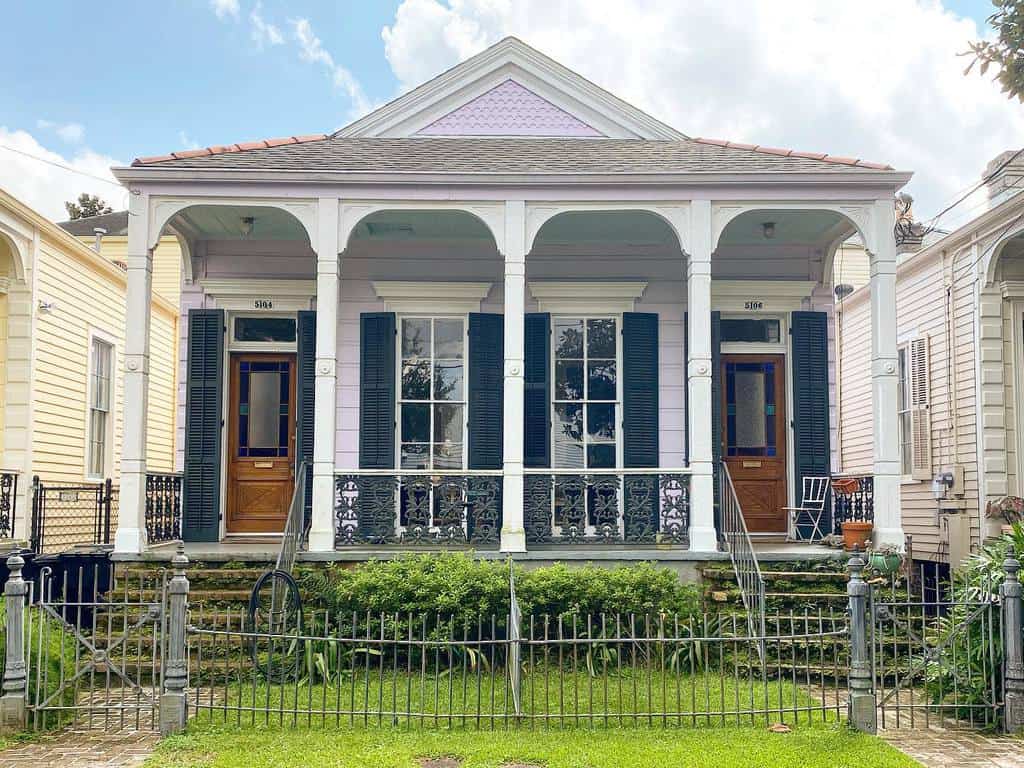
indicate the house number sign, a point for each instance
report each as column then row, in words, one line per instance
column 753, row 305
column 262, row 304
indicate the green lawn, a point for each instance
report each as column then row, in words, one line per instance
column 822, row 746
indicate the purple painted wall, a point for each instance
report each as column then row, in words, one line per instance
column 509, row 109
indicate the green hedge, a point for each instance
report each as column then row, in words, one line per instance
column 465, row 588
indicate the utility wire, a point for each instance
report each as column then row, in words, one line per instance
column 60, row 165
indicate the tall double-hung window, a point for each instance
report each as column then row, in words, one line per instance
column 432, row 393
column 101, row 366
column 586, row 392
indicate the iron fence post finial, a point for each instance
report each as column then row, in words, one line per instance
column 12, row 703
column 173, row 707
column 861, row 711
column 1013, row 669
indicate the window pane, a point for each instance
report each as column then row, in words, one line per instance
column 265, row 329
column 264, row 409
column 568, row 379
column 601, row 456
column 601, row 380
column 568, row 433
column 448, row 339
column 416, row 381
column 447, row 424
column 415, row 456
column 601, row 422
column 448, row 380
column 415, row 423
column 568, row 338
column 601, row 337
column 448, row 456
column 750, row 330
column 97, row 442
column 415, row 339
column 901, row 384
column 750, row 410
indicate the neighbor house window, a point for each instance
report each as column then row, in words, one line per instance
column 432, row 393
column 903, row 412
column 585, row 409
column 100, row 387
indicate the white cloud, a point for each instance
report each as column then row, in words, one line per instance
column 187, row 142
column 72, row 133
column 45, row 186
column 263, row 32
column 312, row 50
column 877, row 79
column 225, row 8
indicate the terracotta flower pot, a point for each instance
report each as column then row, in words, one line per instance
column 856, row 535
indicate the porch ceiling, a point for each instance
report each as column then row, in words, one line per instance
column 426, row 225
column 813, row 228
column 225, row 222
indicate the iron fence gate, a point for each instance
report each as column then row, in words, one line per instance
column 94, row 655
column 65, row 515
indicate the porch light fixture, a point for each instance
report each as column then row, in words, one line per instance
column 768, row 230
column 247, row 222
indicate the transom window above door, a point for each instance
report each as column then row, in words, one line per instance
column 432, row 392
column 586, row 392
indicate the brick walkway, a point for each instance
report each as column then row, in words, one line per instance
column 82, row 749
column 941, row 748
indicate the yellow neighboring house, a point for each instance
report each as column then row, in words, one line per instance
column 62, row 329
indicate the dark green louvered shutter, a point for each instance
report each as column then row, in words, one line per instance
column 811, row 449
column 640, row 389
column 716, row 411
column 204, row 402
column 640, row 421
column 486, row 390
column 377, row 390
column 537, row 369
column 305, row 377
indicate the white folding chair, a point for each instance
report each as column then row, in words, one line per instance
column 808, row 516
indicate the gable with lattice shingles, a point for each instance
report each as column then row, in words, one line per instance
column 509, row 109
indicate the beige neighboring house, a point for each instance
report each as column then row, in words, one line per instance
column 62, row 331
column 960, row 321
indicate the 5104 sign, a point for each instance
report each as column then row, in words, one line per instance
column 262, row 303
column 753, row 305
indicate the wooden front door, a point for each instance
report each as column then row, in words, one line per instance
column 261, row 434
column 754, row 437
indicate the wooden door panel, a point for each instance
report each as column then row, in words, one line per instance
column 758, row 471
column 260, row 475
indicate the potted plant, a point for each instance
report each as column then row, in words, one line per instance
column 856, row 534
column 885, row 559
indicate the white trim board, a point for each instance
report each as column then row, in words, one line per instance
column 442, row 298
column 244, row 294
column 576, row 296
column 773, row 295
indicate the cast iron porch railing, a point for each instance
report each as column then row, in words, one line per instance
column 741, row 552
column 607, row 506
column 8, row 502
column 417, row 507
column 853, row 499
column 163, row 507
column 66, row 515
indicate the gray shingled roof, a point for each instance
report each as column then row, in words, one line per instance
column 508, row 156
column 115, row 223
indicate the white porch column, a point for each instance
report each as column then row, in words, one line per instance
column 131, row 517
column 884, row 378
column 698, row 306
column 321, row 532
column 513, row 533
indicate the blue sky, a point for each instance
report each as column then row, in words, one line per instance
column 117, row 79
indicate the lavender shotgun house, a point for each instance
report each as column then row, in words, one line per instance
column 506, row 311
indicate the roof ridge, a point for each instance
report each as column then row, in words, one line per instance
column 823, row 157
column 221, row 149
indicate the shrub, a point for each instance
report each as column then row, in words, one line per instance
column 460, row 586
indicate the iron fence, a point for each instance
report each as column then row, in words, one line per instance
column 8, row 503
column 163, row 507
column 741, row 551
column 418, row 507
column 66, row 515
column 640, row 506
column 420, row 670
column 853, row 500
